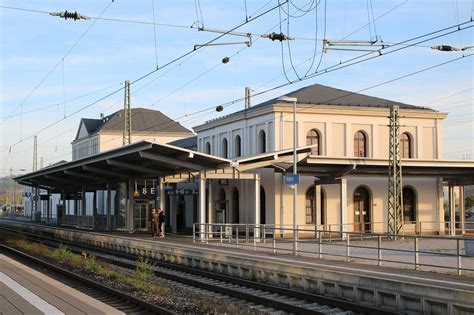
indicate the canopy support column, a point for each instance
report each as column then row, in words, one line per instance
column 109, row 207
column 129, row 212
column 343, row 206
column 174, row 209
column 48, row 206
column 257, row 205
column 317, row 201
column 83, row 207
column 452, row 210
column 210, row 209
column 202, row 205
column 462, row 210
column 94, row 207
column 64, row 210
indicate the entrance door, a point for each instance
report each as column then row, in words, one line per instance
column 140, row 216
column 361, row 210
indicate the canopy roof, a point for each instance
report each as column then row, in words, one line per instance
column 138, row 160
column 329, row 169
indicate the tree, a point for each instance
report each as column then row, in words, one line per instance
column 469, row 202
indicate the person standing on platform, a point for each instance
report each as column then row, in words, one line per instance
column 161, row 222
column 154, row 222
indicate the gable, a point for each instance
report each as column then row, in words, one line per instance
column 82, row 131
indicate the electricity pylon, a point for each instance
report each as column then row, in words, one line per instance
column 395, row 188
column 127, row 113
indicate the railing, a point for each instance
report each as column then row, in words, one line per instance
column 427, row 252
column 408, row 227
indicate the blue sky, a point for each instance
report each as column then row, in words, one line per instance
column 112, row 52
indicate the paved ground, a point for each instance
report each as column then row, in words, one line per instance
column 441, row 254
column 27, row 291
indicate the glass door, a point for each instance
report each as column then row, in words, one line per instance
column 140, row 216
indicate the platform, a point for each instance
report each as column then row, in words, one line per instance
column 387, row 287
column 27, row 291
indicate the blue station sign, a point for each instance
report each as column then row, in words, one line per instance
column 292, row 179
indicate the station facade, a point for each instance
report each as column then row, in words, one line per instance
column 343, row 150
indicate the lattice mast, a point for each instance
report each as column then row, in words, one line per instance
column 127, row 113
column 395, row 188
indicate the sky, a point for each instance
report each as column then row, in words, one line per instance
column 55, row 71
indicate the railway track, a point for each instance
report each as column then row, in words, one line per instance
column 119, row 300
column 268, row 298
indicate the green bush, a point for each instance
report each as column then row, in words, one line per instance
column 143, row 270
column 61, row 252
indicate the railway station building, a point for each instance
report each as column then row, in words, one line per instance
column 232, row 169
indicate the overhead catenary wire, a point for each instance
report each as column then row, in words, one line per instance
column 151, row 72
column 306, row 107
column 58, row 103
column 60, row 60
column 324, row 71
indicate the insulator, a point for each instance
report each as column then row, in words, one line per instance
column 275, row 36
column 70, row 15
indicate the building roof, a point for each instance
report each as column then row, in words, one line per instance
column 143, row 119
column 321, row 95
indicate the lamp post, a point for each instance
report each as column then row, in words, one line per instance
column 295, row 185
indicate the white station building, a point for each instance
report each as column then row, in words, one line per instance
column 231, row 169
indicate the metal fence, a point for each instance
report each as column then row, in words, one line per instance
column 419, row 252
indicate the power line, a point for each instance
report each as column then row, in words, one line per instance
column 153, row 71
column 324, row 71
column 57, row 104
column 329, row 68
column 204, row 111
column 60, row 60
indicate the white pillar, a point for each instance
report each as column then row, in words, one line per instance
column 130, row 206
column 202, row 204
column 162, row 194
column 452, row 210
column 109, row 208
column 343, row 205
column 440, row 224
column 317, row 200
column 174, row 209
column 210, row 209
column 257, row 203
column 462, row 210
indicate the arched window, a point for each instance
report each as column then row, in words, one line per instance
column 224, row 148
column 262, row 142
column 409, row 205
column 311, row 206
column 208, row 148
column 237, row 146
column 405, row 144
column 360, row 144
column 313, row 138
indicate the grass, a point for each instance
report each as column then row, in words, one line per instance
column 141, row 278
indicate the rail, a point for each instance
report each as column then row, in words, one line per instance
column 427, row 252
